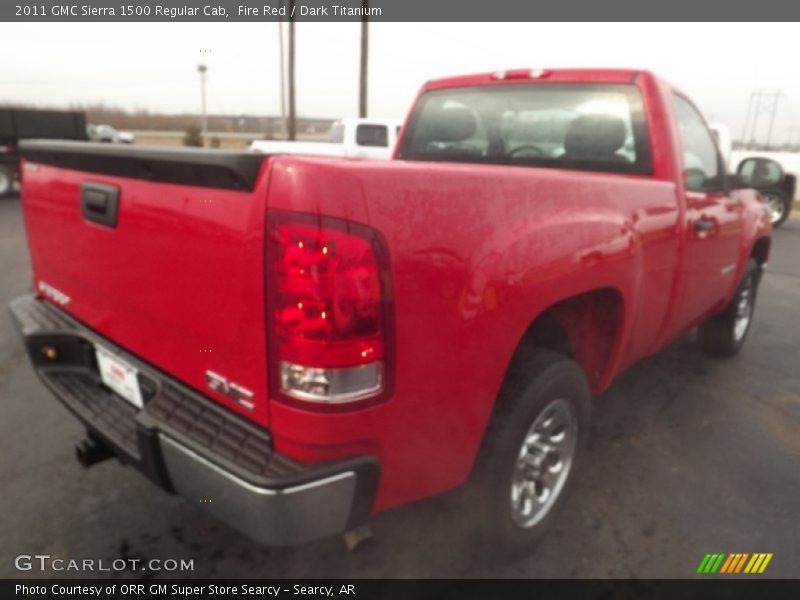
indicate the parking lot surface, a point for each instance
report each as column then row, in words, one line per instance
column 688, row 455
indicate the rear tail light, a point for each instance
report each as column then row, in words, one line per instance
column 329, row 309
column 6, row 149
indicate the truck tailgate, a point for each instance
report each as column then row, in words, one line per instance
column 177, row 277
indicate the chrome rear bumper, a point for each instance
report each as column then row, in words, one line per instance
column 189, row 445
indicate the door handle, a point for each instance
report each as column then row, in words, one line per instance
column 703, row 225
column 100, row 203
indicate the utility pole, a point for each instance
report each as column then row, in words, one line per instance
column 202, row 70
column 292, row 125
column 283, row 79
column 362, row 95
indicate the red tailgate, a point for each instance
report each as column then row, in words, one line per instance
column 178, row 281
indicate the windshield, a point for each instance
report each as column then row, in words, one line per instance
column 580, row 126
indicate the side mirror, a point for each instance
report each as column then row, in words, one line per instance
column 760, row 173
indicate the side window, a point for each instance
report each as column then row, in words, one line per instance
column 701, row 162
column 372, row 135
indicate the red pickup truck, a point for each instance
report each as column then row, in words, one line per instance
column 296, row 343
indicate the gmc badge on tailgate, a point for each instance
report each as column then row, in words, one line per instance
column 235, row 392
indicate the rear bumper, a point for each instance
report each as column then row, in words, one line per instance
column 187, row 444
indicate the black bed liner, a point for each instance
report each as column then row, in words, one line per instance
column 185, row 166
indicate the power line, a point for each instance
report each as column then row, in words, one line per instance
column 761, row 104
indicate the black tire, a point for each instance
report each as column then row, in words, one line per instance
column 780, row 205
column 6, row 181
column 724, row 335
column 537, row 380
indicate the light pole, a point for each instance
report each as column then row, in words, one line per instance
column 362, row 88
column 202, row 70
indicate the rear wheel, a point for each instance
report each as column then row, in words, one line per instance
column 533, row 443
column 6, row 181
column 724, row 334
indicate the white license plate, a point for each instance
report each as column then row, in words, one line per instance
column 119, row 376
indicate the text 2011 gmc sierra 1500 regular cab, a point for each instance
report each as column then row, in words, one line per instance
column 306, row 341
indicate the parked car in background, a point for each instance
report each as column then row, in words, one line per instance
column 296, row 343
column 108, row 134
column 350, row 138
column 20, row 124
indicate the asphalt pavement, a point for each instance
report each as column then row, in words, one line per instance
column 688, row 455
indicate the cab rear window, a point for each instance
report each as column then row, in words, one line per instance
column 596, row 127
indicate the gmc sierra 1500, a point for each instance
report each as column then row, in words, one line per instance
column 307, row 341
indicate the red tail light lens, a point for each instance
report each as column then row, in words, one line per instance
column 328, row 307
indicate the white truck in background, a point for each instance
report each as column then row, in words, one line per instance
column 349, row 138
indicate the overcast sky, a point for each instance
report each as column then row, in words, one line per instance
column 153, row 66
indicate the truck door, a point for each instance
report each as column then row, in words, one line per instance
column 713, row 219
